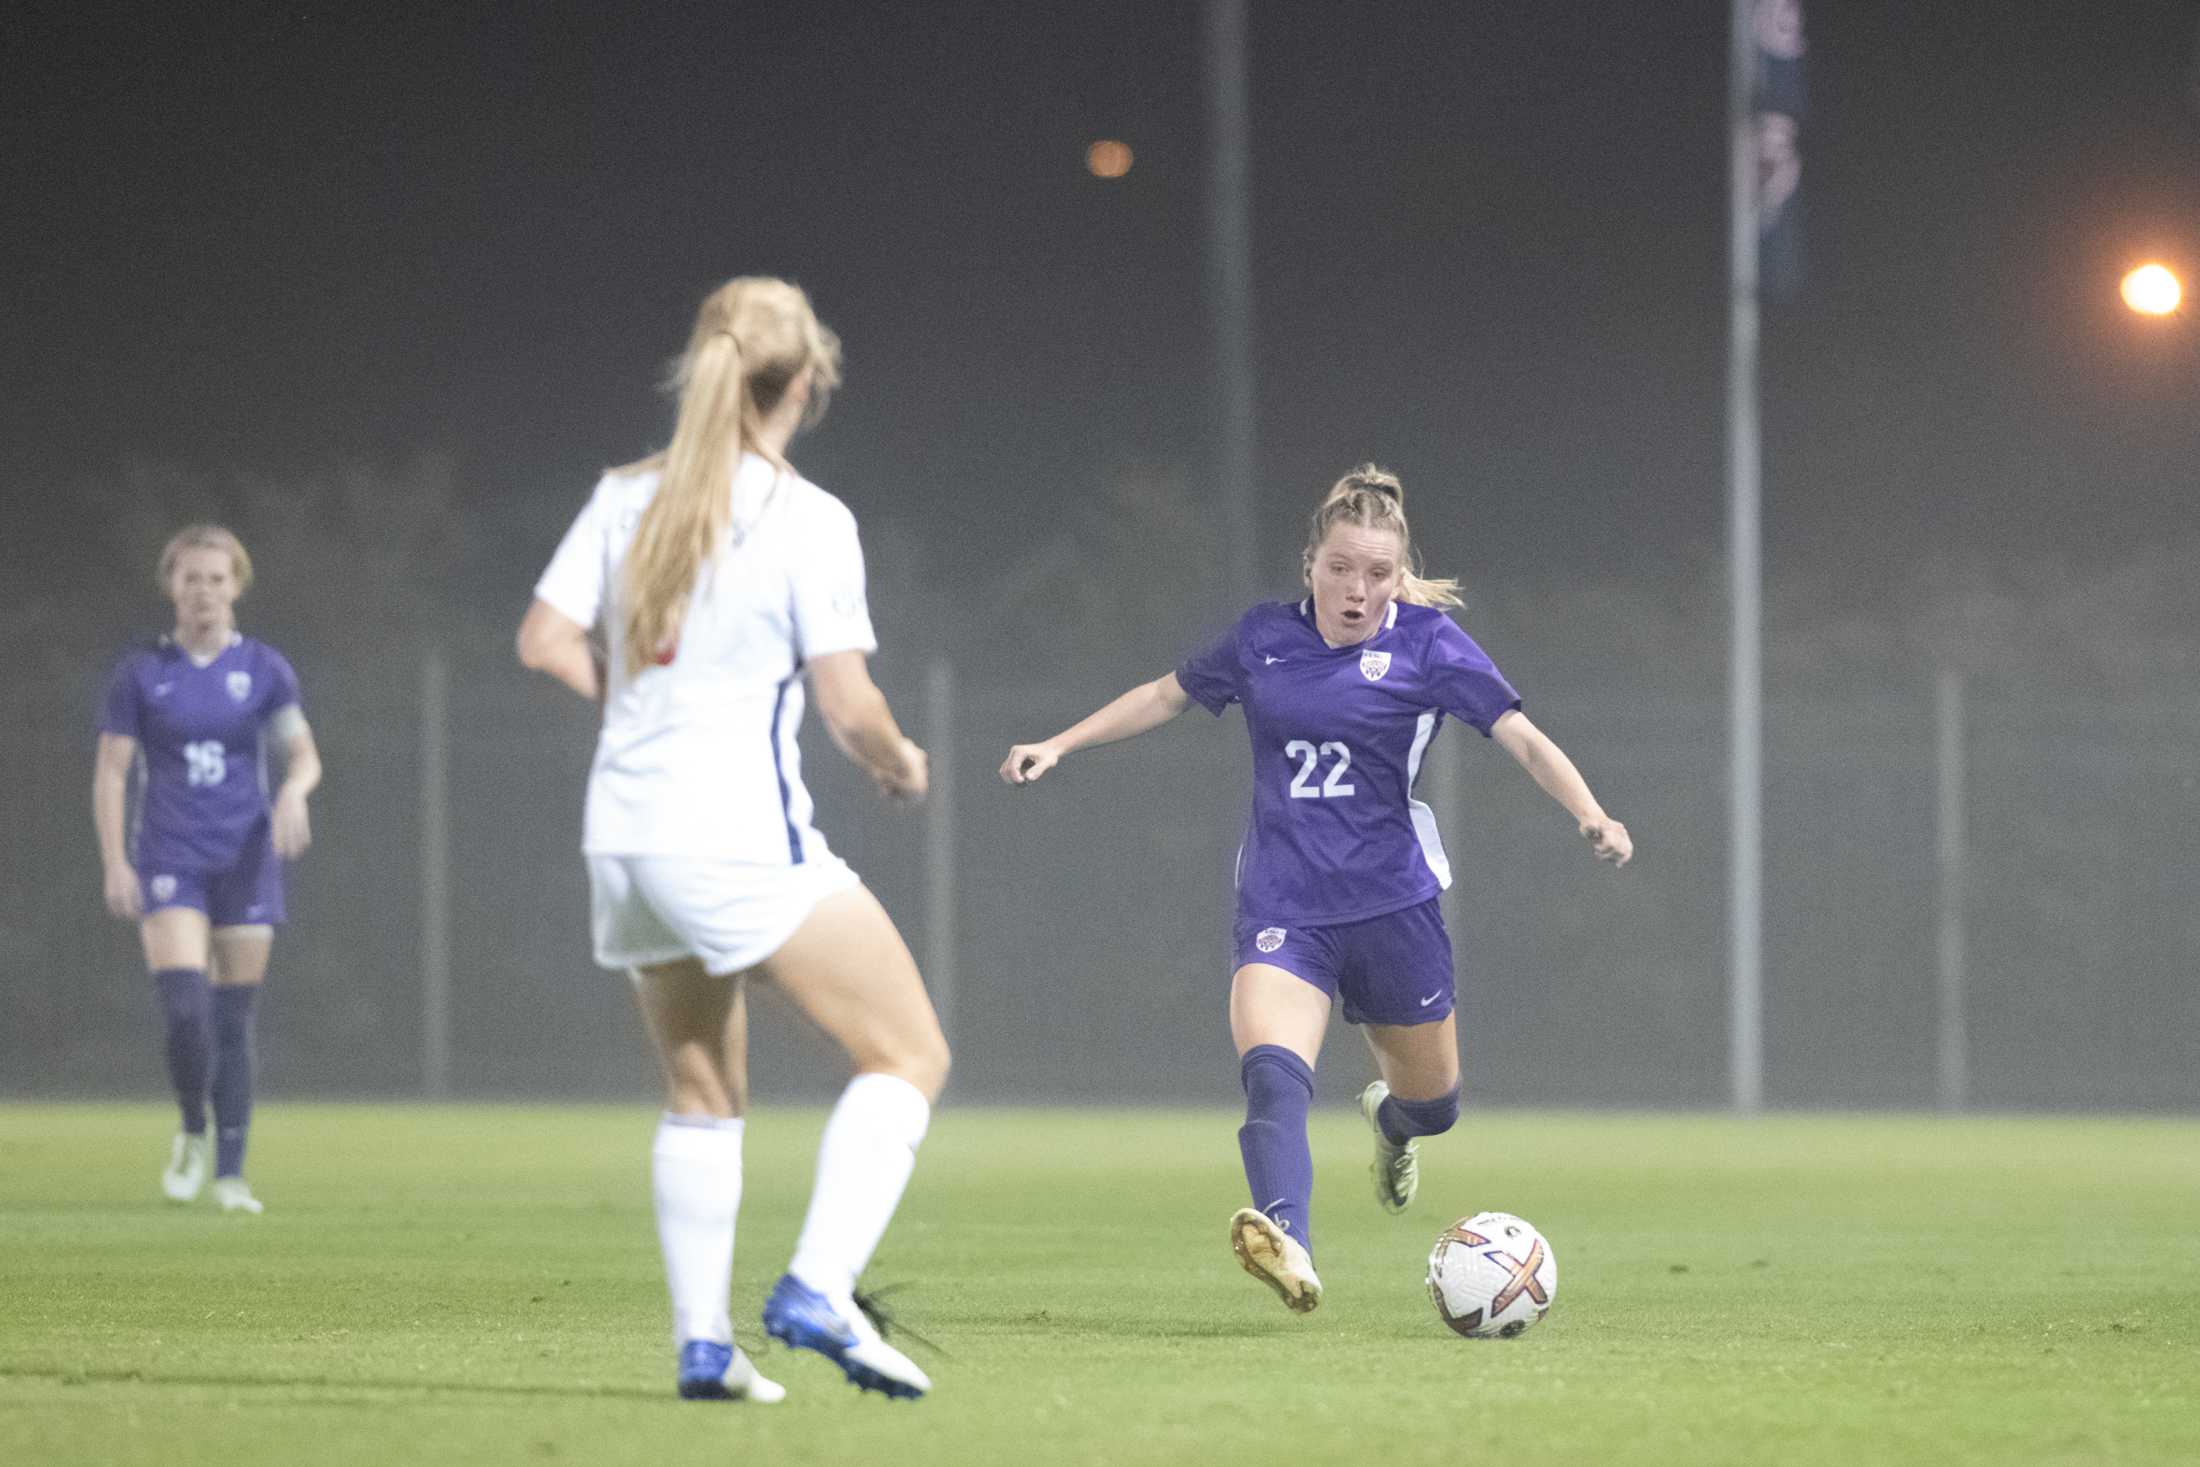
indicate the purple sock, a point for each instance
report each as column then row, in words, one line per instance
column 1279, row 1167
column 232, row 1076
column 183, row 1014
column 1402, row 1120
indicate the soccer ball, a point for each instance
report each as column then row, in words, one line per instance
column 1491, row 1275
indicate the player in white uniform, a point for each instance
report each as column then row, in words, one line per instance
column 717, row 578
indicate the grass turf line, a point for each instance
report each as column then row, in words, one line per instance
column 480, row 1284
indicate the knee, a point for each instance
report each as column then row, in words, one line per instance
column 696, row 1086
column 1272, row 1074
column 232, row 1015
column 926, row 1065
column 184, row 1000
column 189, row 1018
column 1426, row 1117
column 699, row 1097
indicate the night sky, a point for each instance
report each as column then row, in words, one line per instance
column 1489, row 253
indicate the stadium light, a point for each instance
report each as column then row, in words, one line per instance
column 1108, row 158
column 2152, row 290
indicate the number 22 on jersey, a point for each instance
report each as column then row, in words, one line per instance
column 1333, row 786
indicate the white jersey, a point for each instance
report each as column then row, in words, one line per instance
column 697, row 755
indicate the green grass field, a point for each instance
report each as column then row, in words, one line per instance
column 475, row 1284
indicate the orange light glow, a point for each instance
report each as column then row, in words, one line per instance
column 1108, row 159
column 2152, row 290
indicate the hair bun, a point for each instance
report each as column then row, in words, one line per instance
column 1381, row 481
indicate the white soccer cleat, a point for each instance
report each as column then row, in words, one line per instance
column 710, row 1371
column 1397, row 1171
column 1276, row 1258
column 798, row 1316
column 747, row 1383
column 190, row 1158
column 897, row 1374
column 235, row 1196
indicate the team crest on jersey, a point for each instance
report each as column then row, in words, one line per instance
column 240, row 686
column 1269, row 939
column 164, row 887
column 1373, row 665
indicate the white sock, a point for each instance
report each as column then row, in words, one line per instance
column 870, row 1147
column 695, row 1174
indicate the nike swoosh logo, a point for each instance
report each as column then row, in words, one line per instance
column 1272, row 661
column 1439, row 993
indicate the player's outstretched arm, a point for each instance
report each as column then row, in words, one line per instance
column 1149, row 705
column 1549, row 767
column 110, row 789
column 857, row 716
column 552, row 642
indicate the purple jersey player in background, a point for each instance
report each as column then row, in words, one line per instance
column 1339, row 874
column 202, row 872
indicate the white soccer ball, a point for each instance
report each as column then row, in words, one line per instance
column 1491, row 1275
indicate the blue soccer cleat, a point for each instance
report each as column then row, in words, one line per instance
column 803, row 1319
column 710, row 1371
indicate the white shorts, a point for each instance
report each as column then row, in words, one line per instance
column 730, row 914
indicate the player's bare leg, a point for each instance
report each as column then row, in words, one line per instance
column 848, row 970
column 1417, row 1096
column 699, row 1026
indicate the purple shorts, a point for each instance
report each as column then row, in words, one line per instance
column 247, row 894
column 1392, row 969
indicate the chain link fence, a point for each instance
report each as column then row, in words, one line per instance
column 1090, row 914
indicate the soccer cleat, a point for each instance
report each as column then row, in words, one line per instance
column 190, row 1158
column 235, row 1196
column 710, row 1371
column 803, row 1319
column 1277, row 1259
column 1397, row 1171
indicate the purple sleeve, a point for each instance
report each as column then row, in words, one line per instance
column 282, row 683
column 1467, row 685
column 1210, row 677
column 118, row 714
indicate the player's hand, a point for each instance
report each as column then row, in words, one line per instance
column 124, row 897
column 1026, row 762
column 1609, row 839
column 908, row 784
column 293, row 828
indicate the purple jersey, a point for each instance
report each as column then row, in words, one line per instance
column 1339, row 734
column 199, row 730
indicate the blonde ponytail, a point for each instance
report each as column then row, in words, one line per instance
column 753, row 338
column 1374, row 499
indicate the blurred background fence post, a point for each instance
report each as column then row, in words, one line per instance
column 1952, row 1052
column 435, row 873
column 939, row 842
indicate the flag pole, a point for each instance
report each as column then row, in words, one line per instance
column 1744, row 467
